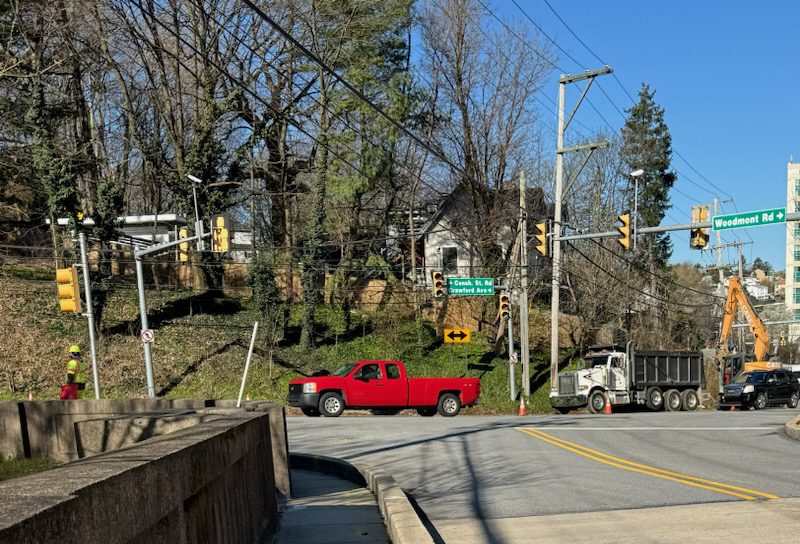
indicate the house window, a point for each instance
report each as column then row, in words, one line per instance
column 797, row 295
column 797, row 232
column 797, row 187
column 797, row 315
column 450, row 260
column 797, row 253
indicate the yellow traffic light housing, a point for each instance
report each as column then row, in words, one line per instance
column 183, row 247
column 220, row 234
column 437, row 284
column 541, row 239
column 505, row 305
column 624, row 230
column 698, row 238
column 69, row 291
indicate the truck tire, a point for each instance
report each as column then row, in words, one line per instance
column 449, row 405
column 761, row 402
column 310, row 412
column 597, row 402
column 331, row 405
column 654, row 398
column 689, row 400
column 794, row 400
column 672, row 400
column 427, row 411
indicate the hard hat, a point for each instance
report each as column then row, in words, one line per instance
column 74, row 349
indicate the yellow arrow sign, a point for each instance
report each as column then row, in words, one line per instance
column 457, row 336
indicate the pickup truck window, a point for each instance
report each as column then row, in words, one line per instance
column 392, row 372
column 369, row 372
column 344, row 370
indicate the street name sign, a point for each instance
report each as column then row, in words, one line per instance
column 749, row 219
column 467, row 287
column 457, row 336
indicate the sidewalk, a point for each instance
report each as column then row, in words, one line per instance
column 329, row 510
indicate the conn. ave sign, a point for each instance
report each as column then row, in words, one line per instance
column 749, row 219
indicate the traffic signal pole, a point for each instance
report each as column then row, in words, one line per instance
column 524, row 337
column 138, row 254
column 87, row 287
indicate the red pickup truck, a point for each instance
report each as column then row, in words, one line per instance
column 381, row 385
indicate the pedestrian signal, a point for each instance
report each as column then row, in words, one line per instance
column 69, row 291
column 437, row 284
column 541, row 239
column 698, row 239
column 183, row 247
column 220, row 234
column 624, row 230
column 505, row 305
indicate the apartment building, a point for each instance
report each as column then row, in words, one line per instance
column 793, row 248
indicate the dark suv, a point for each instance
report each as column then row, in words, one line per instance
column 758, row 388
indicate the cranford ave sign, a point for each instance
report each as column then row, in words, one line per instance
column 468, row 287
column 749, row 219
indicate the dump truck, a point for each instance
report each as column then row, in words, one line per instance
column 623, row 376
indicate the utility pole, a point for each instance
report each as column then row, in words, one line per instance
column 524, row 338
column 564, row 80
column 512, row 386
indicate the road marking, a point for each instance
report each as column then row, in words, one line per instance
column 694, row 481
column 766, row 427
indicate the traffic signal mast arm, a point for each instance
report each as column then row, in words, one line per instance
column 737, row 298
column 158, row 247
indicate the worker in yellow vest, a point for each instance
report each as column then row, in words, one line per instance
column 75, row 369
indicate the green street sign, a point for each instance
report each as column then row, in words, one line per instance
column 470, row 287
column 749, row 219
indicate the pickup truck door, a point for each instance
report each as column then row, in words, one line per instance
column 395, row 388
column 363, row 388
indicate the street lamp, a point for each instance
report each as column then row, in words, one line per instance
column 636, row 174
column 198, row 225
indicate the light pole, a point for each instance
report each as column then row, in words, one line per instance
column 636, row 174
column 198, row 225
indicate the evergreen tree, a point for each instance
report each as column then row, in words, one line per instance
column 647, row 144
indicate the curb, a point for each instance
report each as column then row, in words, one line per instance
column 402, row 521
column 792, row 428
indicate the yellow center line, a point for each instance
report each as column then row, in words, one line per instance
column 747, row 494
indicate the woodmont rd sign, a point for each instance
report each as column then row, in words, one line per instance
column 749, row 219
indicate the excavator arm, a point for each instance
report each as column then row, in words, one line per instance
column 735, row 300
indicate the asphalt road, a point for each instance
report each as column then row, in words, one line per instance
column 477, row 472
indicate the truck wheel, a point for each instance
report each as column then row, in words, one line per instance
column 449, row 405
column 331, row 405
column 761, row 402
column 672, row 400
column 597, row 402
column 794, row 400
column 426, row 412
column 654, row 398
column 310, row 412
column 689, row 400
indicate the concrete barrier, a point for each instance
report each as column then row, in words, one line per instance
column 402, row 522
column 68, row 430
column 207, row 483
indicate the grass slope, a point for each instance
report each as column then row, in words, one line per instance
column 202, row 340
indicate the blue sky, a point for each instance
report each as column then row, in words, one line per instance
column 726, row 74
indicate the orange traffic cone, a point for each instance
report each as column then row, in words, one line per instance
column 607, row 407
column 733, row 408
column 522, row 410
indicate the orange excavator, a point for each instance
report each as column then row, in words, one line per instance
column 733, row 364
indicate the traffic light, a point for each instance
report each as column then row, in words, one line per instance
column 541, row 239
column 69, row 291
column 624, row 230
column 505, row 305
column 220, row 234
column 698, row 238
column 183, row 247
column 437, row 284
